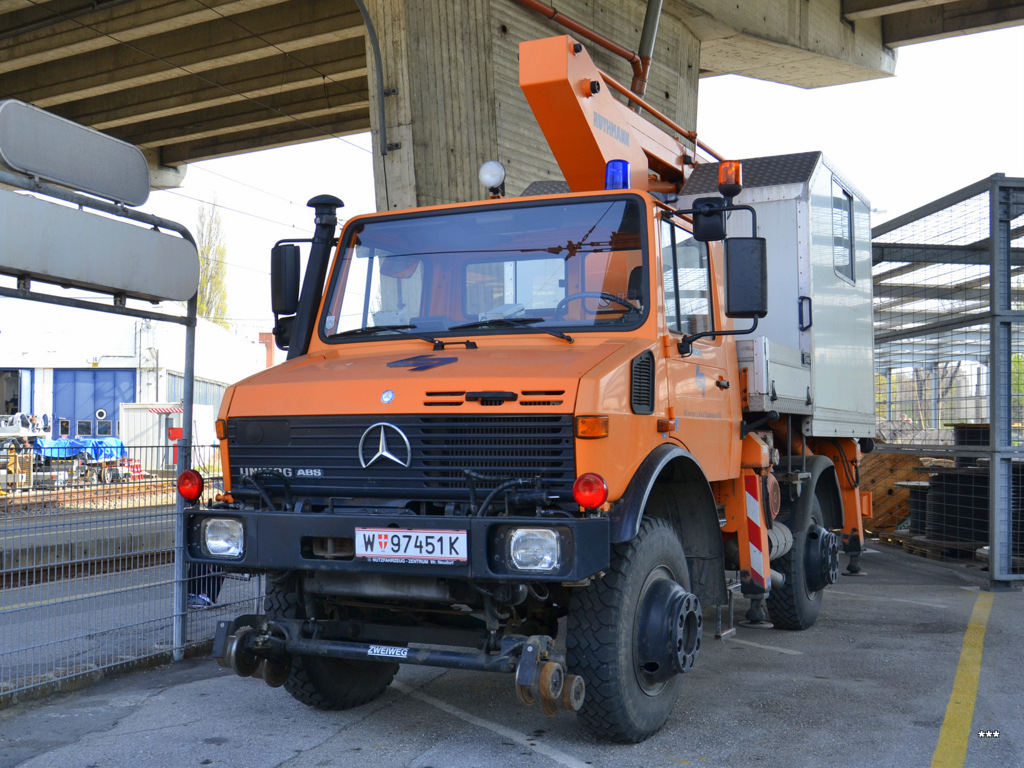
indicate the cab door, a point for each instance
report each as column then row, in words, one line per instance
column 700, row 390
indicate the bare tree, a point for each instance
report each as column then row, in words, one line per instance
column 213, row 295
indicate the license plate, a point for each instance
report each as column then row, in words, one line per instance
column 398, row 545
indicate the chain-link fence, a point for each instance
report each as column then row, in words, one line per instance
column 87, row 554
column 948, row 475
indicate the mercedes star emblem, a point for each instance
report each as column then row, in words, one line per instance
column 387, row 438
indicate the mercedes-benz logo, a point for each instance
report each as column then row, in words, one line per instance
column 382, row 431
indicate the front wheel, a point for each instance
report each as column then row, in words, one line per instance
column 322, row 682
column 632, row 688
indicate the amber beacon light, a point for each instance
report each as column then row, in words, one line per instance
column 730, row 178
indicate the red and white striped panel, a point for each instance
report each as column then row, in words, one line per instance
column 134, row 468
column 758, row 569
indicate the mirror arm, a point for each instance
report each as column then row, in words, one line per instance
column 686, row 343
column 709, row 209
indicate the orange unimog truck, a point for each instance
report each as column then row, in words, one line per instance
column 528, row 418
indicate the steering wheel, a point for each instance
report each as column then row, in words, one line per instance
column 564, row 303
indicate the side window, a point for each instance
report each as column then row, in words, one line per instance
column 842, row 231
column 84, row 428
column 686, row 279
column 64, row 428
column 104, row 428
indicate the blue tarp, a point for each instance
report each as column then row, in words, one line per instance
column 96, row 448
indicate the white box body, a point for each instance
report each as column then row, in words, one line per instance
column 816, row 343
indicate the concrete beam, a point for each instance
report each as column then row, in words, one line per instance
column 297, row 106
column 872, row 9
column 234, row 84
column 112, row 26
column 805, row 43
column 180, row 55
column 187, row 80
column 948, row 20
column 163, row 176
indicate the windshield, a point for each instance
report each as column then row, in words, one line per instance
column 516, row 268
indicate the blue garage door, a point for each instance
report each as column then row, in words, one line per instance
column 86, row 403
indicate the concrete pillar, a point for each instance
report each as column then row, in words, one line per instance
column 452, row 74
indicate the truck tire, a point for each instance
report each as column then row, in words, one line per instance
column 602, row 636
column 321, row 682
column 793, row 605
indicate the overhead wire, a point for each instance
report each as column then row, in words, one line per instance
column 268, row 193
column 215, row 204
column 221, row 206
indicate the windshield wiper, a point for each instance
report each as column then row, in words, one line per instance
column 512, row 322
column 439, row 344
column 383, row 328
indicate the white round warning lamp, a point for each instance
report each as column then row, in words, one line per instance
column 492, row 175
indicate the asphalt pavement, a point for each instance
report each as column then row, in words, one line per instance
column 869, row 685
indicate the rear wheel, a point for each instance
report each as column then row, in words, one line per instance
column 810, row 565
column 321, row 682
column 628, row 697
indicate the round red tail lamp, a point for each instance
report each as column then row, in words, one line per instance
column 190, row 485
column 590, row 490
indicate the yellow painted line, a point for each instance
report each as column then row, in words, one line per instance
column 951, row 751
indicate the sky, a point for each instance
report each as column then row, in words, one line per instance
column 953, row 114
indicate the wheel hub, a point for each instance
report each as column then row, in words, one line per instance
column 669, row 633
column 821, row 558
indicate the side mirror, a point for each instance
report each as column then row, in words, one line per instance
column 284, row 279
column 708, row 219
column 746, row 277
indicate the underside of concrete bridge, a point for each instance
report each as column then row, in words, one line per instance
column 189, row 80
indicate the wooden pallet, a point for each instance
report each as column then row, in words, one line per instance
column 930, row 548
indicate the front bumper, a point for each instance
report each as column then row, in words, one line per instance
column 294, row 541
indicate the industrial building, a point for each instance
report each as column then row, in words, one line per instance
column 79, row 367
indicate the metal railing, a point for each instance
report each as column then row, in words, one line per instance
column 948, row 476
column 87, row 567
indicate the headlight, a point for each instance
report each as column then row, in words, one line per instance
column 223, row 537
column 534, row 549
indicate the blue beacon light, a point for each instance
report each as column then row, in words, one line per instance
column 616, row 174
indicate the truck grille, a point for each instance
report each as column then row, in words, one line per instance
column 439, row 448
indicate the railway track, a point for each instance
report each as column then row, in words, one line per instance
column 69, row 532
